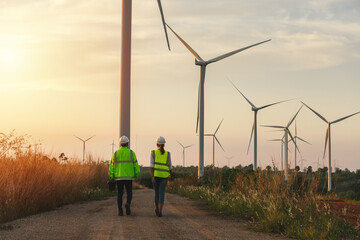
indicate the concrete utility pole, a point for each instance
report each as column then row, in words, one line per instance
column 125, row 82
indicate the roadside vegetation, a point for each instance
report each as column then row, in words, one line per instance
column 32, row 182
column 292, row 208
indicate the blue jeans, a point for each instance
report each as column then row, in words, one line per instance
column 159, row 187
column 128, row 186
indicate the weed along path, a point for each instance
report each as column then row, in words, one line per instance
column 183, row 219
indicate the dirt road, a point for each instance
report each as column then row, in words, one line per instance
column 183, row 219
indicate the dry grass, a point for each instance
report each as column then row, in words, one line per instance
column 32, row 182
column 270, row 203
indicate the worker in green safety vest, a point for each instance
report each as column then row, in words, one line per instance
column 160, row 168
column 124, row 168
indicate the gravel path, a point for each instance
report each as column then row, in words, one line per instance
column 183, row 219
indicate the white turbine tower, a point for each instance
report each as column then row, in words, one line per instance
column 229, row 158
column 296, row 137
column 286, row 133
column 200, row 113
column 254, row 128
column 217, row 140
column 84, row 141
column 328, row 138
column 113, row 145
column 184, row 147
column 282, row 149
column 125, row 82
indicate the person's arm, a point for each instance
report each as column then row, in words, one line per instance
column 111, row 168
column 170, row 166
column 152, row 163
column 136, row 166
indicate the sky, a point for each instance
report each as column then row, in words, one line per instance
column 60, row 76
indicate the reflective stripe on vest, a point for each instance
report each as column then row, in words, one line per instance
column 161, row 164
column 119, row 161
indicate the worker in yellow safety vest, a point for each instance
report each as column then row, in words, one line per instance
column 124, row 168
column 160, row 168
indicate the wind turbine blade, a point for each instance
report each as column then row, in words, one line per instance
column 79, row 138
column 218, row 126
column 303, row 140
column 186, row 45
column 189, row 146
column 326, row 141
column 208, row 135
column 243, row 95
column 180, row 143
column 275, row 140
column 252, row 132
column 318, row 114
column 163, row 21
column 90, row 138
column 339, row 120
column 294, row 117
column 274, row 103
column 273, row 126
column 219, row 143
column 234, row 52
column 292, row 139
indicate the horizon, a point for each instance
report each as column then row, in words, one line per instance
column 60, row 76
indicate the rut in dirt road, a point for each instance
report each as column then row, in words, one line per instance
column 183, row 219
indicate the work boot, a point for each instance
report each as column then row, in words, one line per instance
column 157, row 210
column 128, row 211
column 121, row 212
column 160, row 214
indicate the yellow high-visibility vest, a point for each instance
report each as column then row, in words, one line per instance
column 161, row 163
column 124, row 165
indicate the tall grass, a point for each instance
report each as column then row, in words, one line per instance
column 268, row 202
column 31, row 182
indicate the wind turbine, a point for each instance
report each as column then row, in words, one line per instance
column 286, row 133
column 200, row 113
column 113, row 145
column 254, row 129
column 215, row 138
column 184, row 147
column 84, row 141
column 229, row 158
column 328, row 138
column 296, row 137
column 125, row 82
column 282, row 149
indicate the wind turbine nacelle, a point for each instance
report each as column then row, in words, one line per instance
column 200, row 63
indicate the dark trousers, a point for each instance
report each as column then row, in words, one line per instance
column 159, row 187
column 128, row 186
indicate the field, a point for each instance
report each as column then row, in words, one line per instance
column 32, row 182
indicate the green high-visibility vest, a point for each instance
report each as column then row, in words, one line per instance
column 124, row 165
column 161, row 163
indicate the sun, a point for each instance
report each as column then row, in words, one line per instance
column 10, row 58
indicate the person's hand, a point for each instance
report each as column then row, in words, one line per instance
column 153, row 179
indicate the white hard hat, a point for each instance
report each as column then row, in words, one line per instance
column 124, row 139
column 160, row 140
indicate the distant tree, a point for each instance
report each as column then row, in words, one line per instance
column 297, row 168
column 356, row 188
column 309, row 169
column 268, row 168
column 63, row 158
